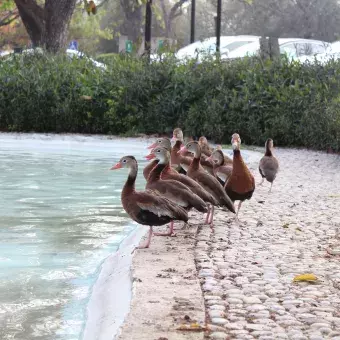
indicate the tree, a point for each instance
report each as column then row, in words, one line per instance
column 47, row 23
column 87, row 29
column 317, row 19
column 169, row 15
column 8, row 13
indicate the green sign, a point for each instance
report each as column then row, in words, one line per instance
column 128, row 46
column 160, row 44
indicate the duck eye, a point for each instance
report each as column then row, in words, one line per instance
column 124, row 160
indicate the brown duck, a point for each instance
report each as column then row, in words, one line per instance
column 207, row 181
column 221, row 169
column 148, row 207
column 241, row 184
column 172, row 189
column 169, row 173
column 269, row 165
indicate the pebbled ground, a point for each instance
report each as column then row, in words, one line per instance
column 246, row 272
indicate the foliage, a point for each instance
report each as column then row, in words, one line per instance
column 87, row 30
column 292, row 103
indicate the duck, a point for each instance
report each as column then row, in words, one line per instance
column 227, row 159
column 180, row 161
column 172, row 189
column 184, row 159
column 241, row 184
column 207, row 181
column 205, row 147
column 170, row 173
column 146, row 207
column 221, row 169
column 269, row 165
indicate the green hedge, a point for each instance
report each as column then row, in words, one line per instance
column 292, row 103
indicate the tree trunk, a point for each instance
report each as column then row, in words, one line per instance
column 132, row 26
column 58, row 15
column 47, row 27
column 32, row 16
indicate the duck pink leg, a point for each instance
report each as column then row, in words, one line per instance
column 147, row 244
column 212, row 217
column 238, row 209
column 169, row 233
column 208, row 213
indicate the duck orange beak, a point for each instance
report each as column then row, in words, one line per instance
column 150, row 156
column 183, row 149
column 117, row 166
column 152, row 146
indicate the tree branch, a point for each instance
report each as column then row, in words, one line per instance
column 9, row 18
column 31, row 6
column 178, row 5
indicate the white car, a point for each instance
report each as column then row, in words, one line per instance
column 69, row 52
column 206, row 47
column 332, row 53
column 292, row 47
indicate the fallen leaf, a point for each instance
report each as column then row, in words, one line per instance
column 285, row 225
column 305, row 277
column 194, row 327
column 298, row 229
column 86, row 97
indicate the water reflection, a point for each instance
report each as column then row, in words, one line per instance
column 60, row 216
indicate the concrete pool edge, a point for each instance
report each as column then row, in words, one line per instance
column 111, row 295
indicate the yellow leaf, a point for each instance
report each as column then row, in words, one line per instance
column 86, row 97
column 194, row 327
column 305, row 277
column 285, row 225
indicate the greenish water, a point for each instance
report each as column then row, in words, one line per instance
column 60, row 217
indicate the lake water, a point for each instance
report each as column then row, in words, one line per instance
column 60, row 217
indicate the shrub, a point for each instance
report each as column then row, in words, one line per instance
column 292, row 103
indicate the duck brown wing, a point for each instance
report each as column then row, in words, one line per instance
column 213, row 186
column 178, row 193
column 152, row 202
column 223, row 172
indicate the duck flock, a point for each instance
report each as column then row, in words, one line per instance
column 184, row 177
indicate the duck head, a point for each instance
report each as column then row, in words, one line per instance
column 125, row 162
column 160, row 153
column 164, row 142
column 192, row 147
column 269, row 143
column 217, row 157
column 202, row 141
column 236, row 141
column 177, row 135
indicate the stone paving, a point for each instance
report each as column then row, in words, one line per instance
column 246, row 272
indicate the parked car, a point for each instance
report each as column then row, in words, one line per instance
column 292, row 47
column 332, row 53
column 199, row 49
column 71, row 53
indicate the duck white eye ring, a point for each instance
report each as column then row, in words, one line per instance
column 124, row 160
column 158, row 151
